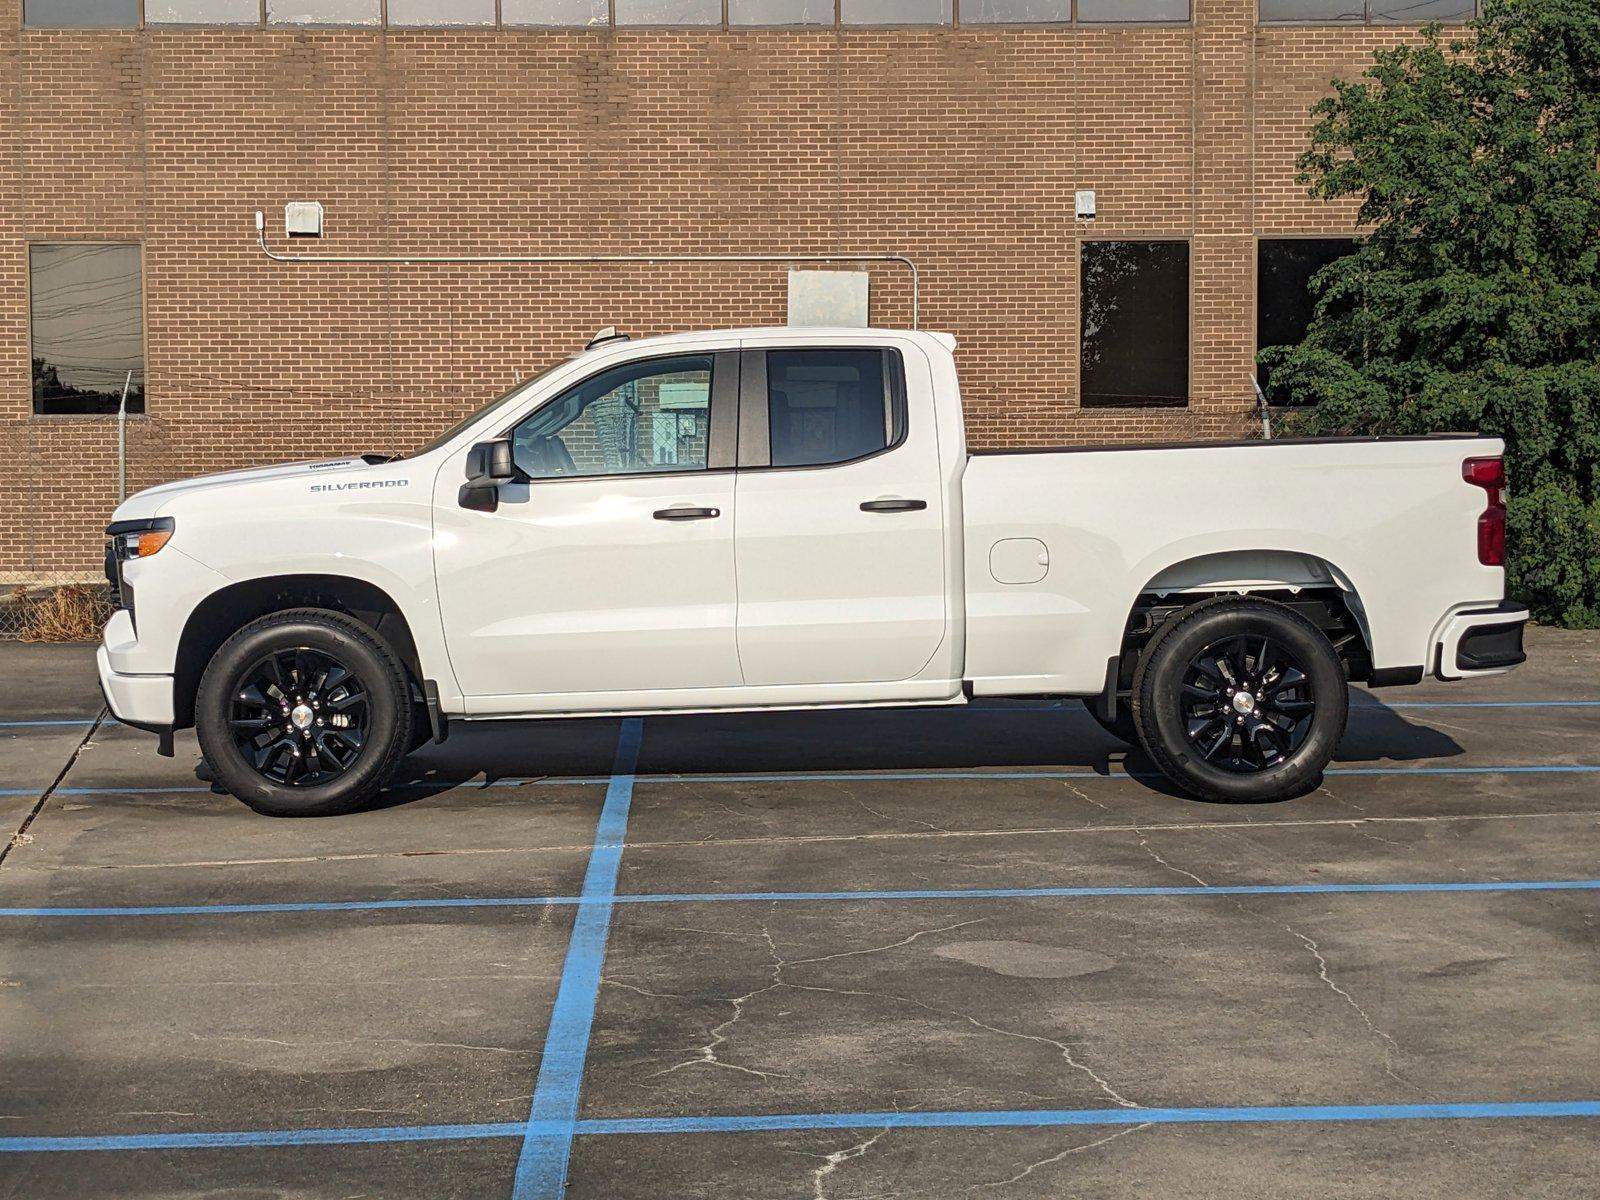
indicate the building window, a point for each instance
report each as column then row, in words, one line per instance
column 87, row 326
column 1377, row 12
column 324, row 12
column 81, row 14
column 1413, row 12
column 1131, row 11
column 780, row 12
column 1284, row 303
column 554, row 12
column 1016, row 12
column 894, row 12
column 669, row 12
column 441, row 12
column 202, row 12
column 1134, row 345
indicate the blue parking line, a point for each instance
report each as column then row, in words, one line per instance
column 75, row 721
column 975, row 893
column 228, row 1139
column 553, row 1115
column 840, row 776
column 775, row 1122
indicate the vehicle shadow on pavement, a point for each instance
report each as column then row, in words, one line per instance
column 995, row 737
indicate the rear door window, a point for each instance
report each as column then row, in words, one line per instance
column 829, row 406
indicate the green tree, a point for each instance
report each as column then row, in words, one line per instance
column 1472, row 301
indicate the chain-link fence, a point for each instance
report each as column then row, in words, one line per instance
column 60, row 479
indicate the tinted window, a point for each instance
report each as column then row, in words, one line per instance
column 895, row 12
column 441, row 12
column 827, row 406
column 202, row 12
column 323, row 12
column 669, row 12
column 1133, row 10
column 1284, row 303
column 640, row 417
column 87, row 326
column 554, row 12
column 1415, row 12
column 780, row 12
column 995, row 12
column 81, row 13
column 1312, row 10
column 1135, row 324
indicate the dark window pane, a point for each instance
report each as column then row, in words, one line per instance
column 323, row 12
column 1023, row 12
column 202, row 12
column 554, row 12
column 76, row 14
column 88, row 328
column 640, row 418
column 669, row 12
column 441, row 12
column 1135, row 344
column 895, row 12
column 1133, row 10
column 826, row 406
column 1313, row 10
column 780, row 12
column 1284, row 304
column 1419, row 12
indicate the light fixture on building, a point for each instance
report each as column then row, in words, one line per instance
column 1085, row 206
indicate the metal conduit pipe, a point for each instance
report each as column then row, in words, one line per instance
column 648, row 259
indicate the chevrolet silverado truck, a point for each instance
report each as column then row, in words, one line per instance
column 787, row 519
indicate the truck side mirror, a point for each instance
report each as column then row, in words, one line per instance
column 489, row 464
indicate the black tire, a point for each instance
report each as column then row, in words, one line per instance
column 1120, row 726
column 1240, row 700
column 353, row 732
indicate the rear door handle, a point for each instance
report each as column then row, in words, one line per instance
column 893, row 505
column 682, row 512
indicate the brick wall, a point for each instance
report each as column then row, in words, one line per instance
column 961, row 148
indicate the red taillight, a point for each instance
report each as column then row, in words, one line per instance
column 1490, row 475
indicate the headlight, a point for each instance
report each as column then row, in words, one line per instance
column 140, row 539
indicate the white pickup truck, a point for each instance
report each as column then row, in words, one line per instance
column 790, row 518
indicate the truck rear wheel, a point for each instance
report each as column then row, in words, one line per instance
column 304, row 713
column 1241, row 700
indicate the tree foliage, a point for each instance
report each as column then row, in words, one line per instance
column 1472, row 301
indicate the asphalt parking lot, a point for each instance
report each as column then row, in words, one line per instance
column 887, row 953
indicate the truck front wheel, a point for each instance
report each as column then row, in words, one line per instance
column 1241, row 700
column 304, row 713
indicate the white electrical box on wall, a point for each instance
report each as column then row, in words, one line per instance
column 829, row 298
column 1085, row 206
column 303, row 218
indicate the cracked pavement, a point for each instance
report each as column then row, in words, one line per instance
column 420, row 1016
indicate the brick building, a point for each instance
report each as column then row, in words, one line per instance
column 134, row 153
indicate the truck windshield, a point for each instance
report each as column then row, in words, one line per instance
column 503, row 400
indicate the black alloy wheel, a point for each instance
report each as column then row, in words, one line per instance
column 1240, row 699
column 300, row 716
column 305, row 712
column 1248, row 703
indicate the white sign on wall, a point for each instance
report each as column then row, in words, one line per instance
column 828, row 298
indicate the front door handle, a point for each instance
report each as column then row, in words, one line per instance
column 682, row 512
column 893, row 505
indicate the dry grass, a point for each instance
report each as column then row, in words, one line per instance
column 74, row 612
